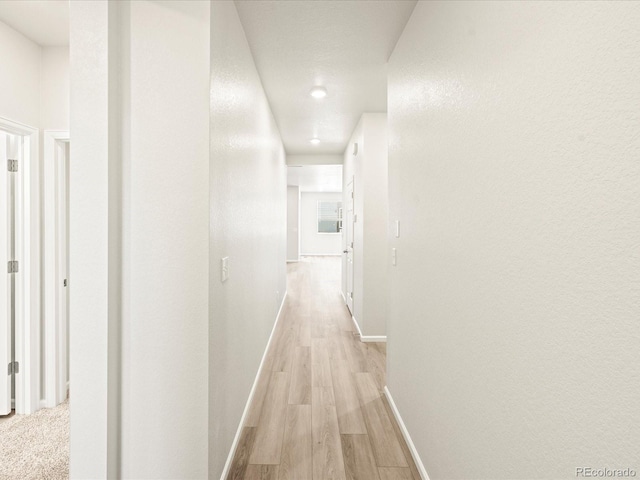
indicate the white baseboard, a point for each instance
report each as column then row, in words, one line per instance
column 355, row 322
column 367, row 338
column 373, row 338
column 234, row 445
column 320, row 254
column 405, row 434
column 293, row 261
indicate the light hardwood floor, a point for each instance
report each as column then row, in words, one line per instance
column 319, row 412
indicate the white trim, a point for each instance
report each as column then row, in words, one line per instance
column 367, row 338
column 55, row 327
column 373, row 338
column 405, row 433
column 293, row 261
column 236, row 439
column 320, row 254
column 28, row 253
column 355, row 322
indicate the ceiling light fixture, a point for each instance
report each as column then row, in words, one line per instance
column 315, row 141
column 318, row 92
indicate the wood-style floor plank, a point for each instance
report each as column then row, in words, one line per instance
column 262, row 387
column 243, row 451
column 304, row 332
column 262, row 472
column 385, row 444
column 395, row 473
column 267, row 445
column 376, row 363
column 403, row 444
column 300, row 391
column 354, row 350
column 328, row 463
column 323, row 396
column 320, row 365
column 359, row 462
column 285, row 341
column 350, row 416
column 296, row 462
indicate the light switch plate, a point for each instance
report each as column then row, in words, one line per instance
column 397, row 228
column 394, row 257
column 224, row 269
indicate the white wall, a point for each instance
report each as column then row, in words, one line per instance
column 54, row 88
column 248, row 225
column 19, row 77
column 166, row 205
column 368, row 170
column 312, row 242
column 314, row 159
column 513, row 152
column 293, row 223
column 94, row 308
column 139, row 239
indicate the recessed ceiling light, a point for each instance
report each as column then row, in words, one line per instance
column 318, row 92
column 315, row 141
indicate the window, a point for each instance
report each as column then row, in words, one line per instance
column 329, row 217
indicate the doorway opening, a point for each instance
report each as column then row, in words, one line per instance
column 20, row 255
column 55, row 361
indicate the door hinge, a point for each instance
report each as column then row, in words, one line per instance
column 14, row 367
column 12, row 266
column 12, row 165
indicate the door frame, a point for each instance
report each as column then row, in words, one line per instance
column 349, row 250
column 27, row 306
column 55, row 327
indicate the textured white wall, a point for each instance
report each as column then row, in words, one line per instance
column 248, row 225
column 92, row 251
column 54, row 89
column 514, row 142
column 375, row 224
column 293, row 222
column 19, row 77
column 312, row 242
column 368, row 169
column 166, row 204
column 314, row 159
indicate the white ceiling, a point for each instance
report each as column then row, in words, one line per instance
column 341, row 45
column 316, row 178
column 46, row 22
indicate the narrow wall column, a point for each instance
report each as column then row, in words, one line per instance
column 139, row 239
column 94, row 242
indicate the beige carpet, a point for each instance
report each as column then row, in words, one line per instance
column 36, row 446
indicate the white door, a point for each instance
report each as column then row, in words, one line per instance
column 349, row 227
column 5, row 285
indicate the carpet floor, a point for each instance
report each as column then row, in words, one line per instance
column 36, row 446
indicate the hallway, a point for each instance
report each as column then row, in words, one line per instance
column 319, row 411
